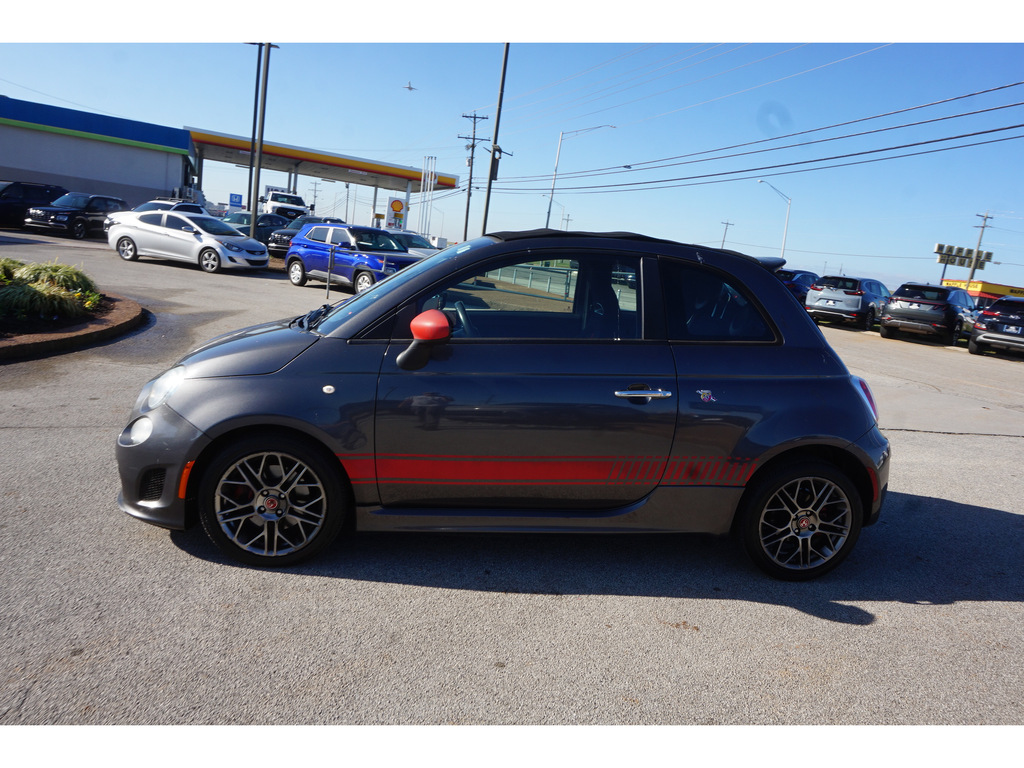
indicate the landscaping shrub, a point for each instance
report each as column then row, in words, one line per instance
column 48, row 291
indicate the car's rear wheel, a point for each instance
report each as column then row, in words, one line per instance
column 364, row 281
column 975, row 348
column 886, row 332
column 953, row 336
column 801, row 520
column 126, row 249
column 869, row 319
column 271, row 500
column 296, row 273
column 209, row 260
column 78, row 229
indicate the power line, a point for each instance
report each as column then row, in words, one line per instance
column 680, row 181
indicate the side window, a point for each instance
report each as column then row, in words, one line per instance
column 177, row 222
column 702, row 305
column 318, row 234
column 153, row 219
column 339, row 236
column 596, row 296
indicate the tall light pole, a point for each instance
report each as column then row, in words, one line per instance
column 558, row 152
column 789, row 201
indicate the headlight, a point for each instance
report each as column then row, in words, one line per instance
column 163, row 387
column 61, row 217
column 229, row 245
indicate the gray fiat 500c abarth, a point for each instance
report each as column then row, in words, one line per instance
column 522, row 381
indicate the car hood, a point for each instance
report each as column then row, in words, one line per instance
column 258, row 349
column 54, row 208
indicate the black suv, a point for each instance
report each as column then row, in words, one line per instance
column 76, row 213
column 1001, row 326
column 16, row 197
column 928, row 310
column 281, row 239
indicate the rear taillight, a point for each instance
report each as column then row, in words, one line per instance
column 854, row 293
column 815, row 287
column 865, row 393
column 989, row 313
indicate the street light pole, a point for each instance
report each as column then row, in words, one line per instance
column 789, row 202
column 558, row 152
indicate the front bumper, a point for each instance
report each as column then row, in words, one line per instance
column 60, row 226
column 154, row 472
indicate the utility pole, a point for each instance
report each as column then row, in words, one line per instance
column 977, row 251
column 727, row 225
column 495, row 149
column 472, row 151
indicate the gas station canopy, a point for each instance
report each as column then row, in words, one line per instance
column 224, row 148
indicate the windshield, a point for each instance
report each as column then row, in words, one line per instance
column 72, row 200
column 214, row 226
column 841, row 283
column 280, row 197
column 926, row 292
column 237, row 218
column 350, row 306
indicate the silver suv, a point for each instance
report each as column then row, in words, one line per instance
column 860, row 300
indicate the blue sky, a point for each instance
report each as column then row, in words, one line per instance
column 696, row 124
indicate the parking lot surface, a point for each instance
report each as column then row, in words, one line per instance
column 110, row 621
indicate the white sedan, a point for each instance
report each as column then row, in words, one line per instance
column 198, row 239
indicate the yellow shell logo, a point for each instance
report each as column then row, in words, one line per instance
column 397, row 205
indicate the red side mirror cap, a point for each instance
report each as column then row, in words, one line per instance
column 431, row 325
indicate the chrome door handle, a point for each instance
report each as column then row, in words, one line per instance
column 650, row 393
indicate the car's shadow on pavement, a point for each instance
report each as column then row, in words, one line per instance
column 923, row 550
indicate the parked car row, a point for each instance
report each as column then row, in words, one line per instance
column 946, row 313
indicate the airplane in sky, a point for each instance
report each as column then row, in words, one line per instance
column 409, row 87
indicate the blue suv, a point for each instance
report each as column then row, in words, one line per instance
column 345, row 254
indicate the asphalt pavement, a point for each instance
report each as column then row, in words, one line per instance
column 106, row 620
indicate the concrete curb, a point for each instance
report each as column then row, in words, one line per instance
column 125, row 316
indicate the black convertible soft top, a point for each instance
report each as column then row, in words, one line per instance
column 771, row 263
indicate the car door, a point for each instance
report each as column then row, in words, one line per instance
column 314, row 251
column 529, row 404
column 147, row 230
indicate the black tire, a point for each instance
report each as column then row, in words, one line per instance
column 975, row 348
column 869, row 319
column 209, row 261
column 886, row 332
column 953, row 336
column 78, row 229
column 363, row 281
column 296, row 272
column 127, row 249
column 271, row 501
column 800, row 520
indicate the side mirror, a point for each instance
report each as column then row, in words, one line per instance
column 429, row 329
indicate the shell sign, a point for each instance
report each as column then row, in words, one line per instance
column 396, row 214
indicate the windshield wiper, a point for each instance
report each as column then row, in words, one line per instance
column 310, row 319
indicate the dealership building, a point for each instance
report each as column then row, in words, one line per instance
column 86, row 152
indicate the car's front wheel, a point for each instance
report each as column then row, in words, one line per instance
column 209, row 260
column 127, row 249
column 271, row 500
column 296, row 273
column 364, row 281
column 800, row 520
